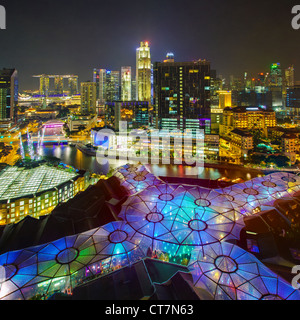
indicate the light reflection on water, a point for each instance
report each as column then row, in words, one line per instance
column 75, row 158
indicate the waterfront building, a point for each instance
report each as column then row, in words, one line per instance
column 36, row 191
column 241, row 143
column 58, row 85
column 78, row 121
column 73, row 85
column 247, row 118
column 44, row 85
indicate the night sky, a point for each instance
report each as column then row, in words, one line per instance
column 74, row 36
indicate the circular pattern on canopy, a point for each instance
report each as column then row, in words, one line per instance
column 230, row 273
column 171, row 214
column 59, row 264
column 136, row 178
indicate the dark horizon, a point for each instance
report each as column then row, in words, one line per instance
column 73, row 37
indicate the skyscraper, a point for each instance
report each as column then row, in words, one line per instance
column 8, row 94
column 112, row 85
column 73, row 85
column 143, row 72
column 182, row 95
column 289, row 76
column 102, row 86
column 58, row 85
column 96, row 80
column 44, row 85
column 88, row 97
column 126, row 84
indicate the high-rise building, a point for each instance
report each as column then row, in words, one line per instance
column 126, row 84
column 73, row 85
column 112, row 85
column 293, row 100
column 275, row 77
column 182, row 95
column 58, row 85
column 143, row 72
column 133, row 90
column 44, row 85
column 96, row 77
column 88, row 97
column 102, row 86
column 289, row 76
column 9, row 89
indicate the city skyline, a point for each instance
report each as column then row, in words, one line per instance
column 74, row 38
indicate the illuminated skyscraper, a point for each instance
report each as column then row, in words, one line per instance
column 8, row 94
column 112, row 86
column 126, row 84
column 143, row 72
column 133, row 90
column 289, row 76
column 88, row 97
column 73, row 85
column 44, row 85
column 58, row 85
column 182, row 95
column 276, row 75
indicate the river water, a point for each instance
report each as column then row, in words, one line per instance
column 71, row 156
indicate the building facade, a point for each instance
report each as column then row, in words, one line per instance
column 182, row 95
column 143, row 72
column 9, row 89
column 126, row 84
column 36, row 191
column 88, row 97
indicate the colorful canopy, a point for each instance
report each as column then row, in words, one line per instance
column 230, row 273
column 66, row 262
column 136, row 178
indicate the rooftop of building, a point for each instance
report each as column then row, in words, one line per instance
column 240, row 132
column 17, row 182
column 243, row 109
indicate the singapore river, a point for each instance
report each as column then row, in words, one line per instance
column 73, row 157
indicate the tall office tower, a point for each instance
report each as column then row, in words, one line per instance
column 9, row 89
column 58, row 85
column 143, row 72
column 289, row 76
column 182, row 95
column 102, row 86
column 96, row 77
column 275, row 77
column 133, row 90
column 275, row 84
column 88, row 97
column 44, row 85
column 112, row 86
column 126, row 84
column 73, row 85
